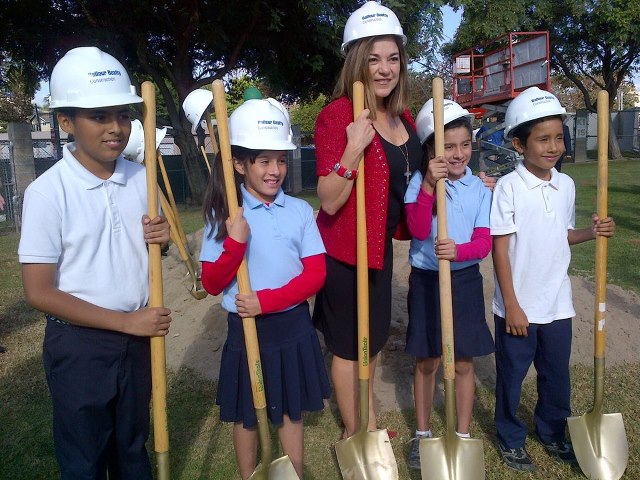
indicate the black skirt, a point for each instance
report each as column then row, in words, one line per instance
column 293, row 369
column 336, row 308
column 471, row 335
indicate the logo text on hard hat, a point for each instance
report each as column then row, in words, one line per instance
column 270, row 122
column 102, row 73
column 373, row 17
column 545, row 98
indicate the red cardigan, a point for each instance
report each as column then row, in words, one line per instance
column 339, row 231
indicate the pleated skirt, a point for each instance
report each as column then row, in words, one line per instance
column 471, row 334
column 294, row 374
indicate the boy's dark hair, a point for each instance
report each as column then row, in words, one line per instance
column 523, row 131
column 428, row 147
column 215, row 210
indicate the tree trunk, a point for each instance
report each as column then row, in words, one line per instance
column 194, row 167
column 614, row 147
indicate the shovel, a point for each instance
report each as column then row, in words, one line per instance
column 449, row 457
column 206, row 159
column 158, row 359
column 599, row 439
column 172, row 202
column 281, row 468
column 365, row 455
column 196, row 291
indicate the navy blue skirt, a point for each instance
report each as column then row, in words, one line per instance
column 471, row 335
column 293, row 368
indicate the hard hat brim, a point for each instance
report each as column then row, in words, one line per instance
column 97, row 101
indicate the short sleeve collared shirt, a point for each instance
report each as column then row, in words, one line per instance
column 92, row 229
column 282, row 234
column 537, row 214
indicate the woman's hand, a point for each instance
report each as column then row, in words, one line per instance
column 489, row 182
column 360, row 133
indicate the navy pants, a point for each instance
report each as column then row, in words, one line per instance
column 100, row 388
column 548, row 346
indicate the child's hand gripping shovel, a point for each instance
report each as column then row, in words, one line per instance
column 158, row 359
column 365, row 455
column 449, row 457
column 599, row 439
column 281, row 468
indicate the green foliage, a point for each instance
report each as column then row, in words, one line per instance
column 181, row 46
column 595, row 41
column 304, row 114
column 16, row 92
column 573, row 99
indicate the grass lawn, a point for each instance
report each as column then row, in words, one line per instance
column 201, row 446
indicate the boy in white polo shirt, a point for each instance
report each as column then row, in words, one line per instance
column 85, row 264
column 533, row 225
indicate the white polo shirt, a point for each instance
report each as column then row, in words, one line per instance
column 282, row 234
column 538, row 215
column 91, row 228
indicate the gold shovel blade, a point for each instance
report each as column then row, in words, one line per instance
column 600, row 444
column 451, row 458
column 280, row 469
column 367, row 456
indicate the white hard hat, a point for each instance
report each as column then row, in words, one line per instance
column 425, row 122
column 261, row 125
column 531, row 104
column 134, row 150
column 371, row 20
column 195, row 105
column 87, row 77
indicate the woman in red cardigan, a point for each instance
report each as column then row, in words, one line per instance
column 385, row 132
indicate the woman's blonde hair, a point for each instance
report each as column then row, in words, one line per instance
column 356, row 68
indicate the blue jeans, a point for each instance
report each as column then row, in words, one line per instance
column 548, row 347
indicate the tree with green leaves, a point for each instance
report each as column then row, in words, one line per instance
column 185, row 45
column 594, row 41
column 17, row 87
column 573, row 99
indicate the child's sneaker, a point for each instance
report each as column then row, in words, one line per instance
column 414, row 453
column 562, row 451
column 517, row 458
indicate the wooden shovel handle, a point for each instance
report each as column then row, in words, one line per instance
column 444, row 266
column 206, row 159
column 212, row 137
column 601, row 242
column 172, row 201
column 362, row 262
column 158, row 359
column 244, row 286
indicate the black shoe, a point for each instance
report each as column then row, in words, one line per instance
column 562, row 451
column 2, row 349
column 517, row 459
